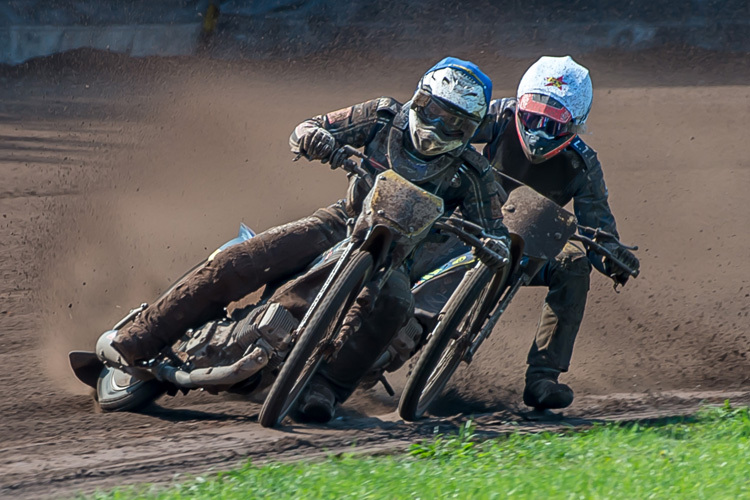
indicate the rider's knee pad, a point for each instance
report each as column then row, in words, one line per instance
column 332, row 220
column 578, row 265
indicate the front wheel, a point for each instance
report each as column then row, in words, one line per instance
column 464, row 314
column 308, row 352
column 118, row 391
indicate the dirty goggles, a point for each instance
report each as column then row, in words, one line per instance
column 544, row 126
column 448, row 119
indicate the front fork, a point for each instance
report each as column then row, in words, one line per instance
column 526, row 271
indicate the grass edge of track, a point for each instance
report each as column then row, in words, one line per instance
column 706, row 455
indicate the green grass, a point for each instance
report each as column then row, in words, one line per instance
column 705, row 456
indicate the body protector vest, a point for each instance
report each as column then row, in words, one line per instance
column 464, row 178
column 405, row 162
column 573, row 174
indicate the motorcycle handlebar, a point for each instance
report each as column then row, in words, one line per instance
column 466, row 237
column 482, row 251
column 341, row 158
column 596, row 247
column 468, row 232
column 600, row 234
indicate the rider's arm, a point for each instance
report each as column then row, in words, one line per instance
column 500, row 113
column 590, row 200
column 355, row 125
column 484, row 199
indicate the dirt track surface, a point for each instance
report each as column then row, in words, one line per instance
column 117, row 177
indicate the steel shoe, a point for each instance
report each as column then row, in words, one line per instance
column 544, row 392
column 319, row 402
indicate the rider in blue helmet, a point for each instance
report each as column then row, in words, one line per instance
column 427, row 141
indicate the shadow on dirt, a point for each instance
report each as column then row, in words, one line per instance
column 187, row 415
column 454, row 403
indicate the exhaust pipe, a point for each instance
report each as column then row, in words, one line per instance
column 215, row 376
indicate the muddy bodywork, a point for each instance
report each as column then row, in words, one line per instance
column 544, row 226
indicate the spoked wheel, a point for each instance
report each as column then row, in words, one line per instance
column 465, row 313
column 308, row 352
column 118, row 391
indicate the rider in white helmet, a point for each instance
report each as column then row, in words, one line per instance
column 534, row 138
column 551, row 110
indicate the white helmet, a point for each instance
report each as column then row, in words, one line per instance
column 554, row 100
column 450, row 102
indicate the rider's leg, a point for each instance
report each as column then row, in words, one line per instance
column 338, row 379
column 235, row 272
column 567, row 277
column 430, row 295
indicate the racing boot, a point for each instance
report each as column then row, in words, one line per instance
column 318, row 403
column 543, row 391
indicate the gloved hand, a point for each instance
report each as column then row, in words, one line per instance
column 499, row 255
column 339, row 158
column 317, row 144
column 627, row 258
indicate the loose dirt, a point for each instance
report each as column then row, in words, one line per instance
column 118, row 175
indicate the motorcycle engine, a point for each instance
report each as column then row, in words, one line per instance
column 225, row 341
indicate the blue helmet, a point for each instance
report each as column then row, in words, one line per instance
column 450, row 102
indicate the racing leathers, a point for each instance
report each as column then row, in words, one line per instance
column 573, row 174
column 463, row 179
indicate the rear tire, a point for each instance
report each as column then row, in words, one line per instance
column 118, row 391
column 465, row 313
column 306, row 356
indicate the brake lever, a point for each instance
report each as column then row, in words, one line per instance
column 617, row 282
column 598, row 248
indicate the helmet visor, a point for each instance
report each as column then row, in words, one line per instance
column 542, row 137
column 448, row 120
column 543, row 126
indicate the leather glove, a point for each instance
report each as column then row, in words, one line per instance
column 338, row 158
column 317, row 144
column 500, row 255
column 627, row 258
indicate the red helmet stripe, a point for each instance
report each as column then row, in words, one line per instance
column 528, row 104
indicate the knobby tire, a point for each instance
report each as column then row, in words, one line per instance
column 430, row 377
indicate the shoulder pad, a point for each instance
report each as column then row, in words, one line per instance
column 585, row 152
column 388, row 105
column 475, row 160
column 499, row 106
column 499, row 114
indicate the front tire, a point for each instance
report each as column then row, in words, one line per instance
column 307, row 354
column 118, row 391
column 465, row 312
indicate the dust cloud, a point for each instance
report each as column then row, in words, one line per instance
column 201, row 147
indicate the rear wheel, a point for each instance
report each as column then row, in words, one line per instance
column 308, row 352
column 118, row 391
column 465, row 313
